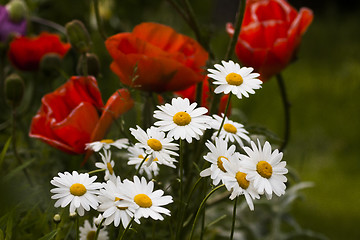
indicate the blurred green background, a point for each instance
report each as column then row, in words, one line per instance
column 323, row 87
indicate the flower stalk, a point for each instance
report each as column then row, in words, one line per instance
column 286, row 105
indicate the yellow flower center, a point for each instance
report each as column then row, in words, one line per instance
column 230, row 128
column 77, row 189
column 234, row 79
column 143, row 200
column 91, row 235
column 141, row 156
column 110, row 168
column 220, row 163
column 182, row 118
column 241, row 179
column 154, row 144
column 108, row 141
column 121, row 208
column 264, row 169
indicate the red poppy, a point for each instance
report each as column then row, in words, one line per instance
column 190, row 93
column 160, row 58
column 69, row 116
column 270, row 35
column 26, row 53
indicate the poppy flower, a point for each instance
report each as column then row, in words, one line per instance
column 69, row 117
column 26, row 53
column 153, row 57
column 190, row 93
column 7, row 26
column 270, row 35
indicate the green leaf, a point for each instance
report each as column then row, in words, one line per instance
column 49, row 236
column 9, row 227
column 3, row 152
column 1, row 235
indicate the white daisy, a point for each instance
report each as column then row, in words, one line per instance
column 88, row 231
column 265, row 169
column 148, row 202
column 114, row 208
column 231, row 131
column 156, row 145
column 107, row 165
column 182, row 119
column 136, row 156
column 217, row 155
column 235, row 181
column 78, row 190
column 106, row 144
column 231, row 78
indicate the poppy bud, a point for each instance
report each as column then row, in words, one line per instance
column 93, row 65
column 50, row 63
column 14, row 89
column 78, row 36
column 17, row 10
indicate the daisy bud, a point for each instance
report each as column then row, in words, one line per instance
column 93, row 65
column 73, row 215
column 98, row 220
column 14, row 90
column 78, row 36
column 57, row 218
column 17, row 10
column 50, row 63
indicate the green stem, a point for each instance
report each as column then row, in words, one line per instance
column 96, row 171
column 98, row 229
column 181, row 169
column 200, row 208
column 77, row 227
column 84, row 65
column 126, row 229
column 199, row 92
column 98, row 20
column 225, row 112
column 142, row 162
column 238, row 22
column 287, row 106
column 233, row 219
column 48, row 23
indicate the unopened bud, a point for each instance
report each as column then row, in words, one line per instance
column 93, row 65
column 78, row 36
column 50, row 64
column 73, row 215
column 14, row 89
column 17, row 10
column 57, row 218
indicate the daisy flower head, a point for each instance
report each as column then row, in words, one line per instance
column 114, row 208
column 236, row 182
column 136, row 156
column 231, row 131
column 148, row 202
column 265, row 169
column 155, row 144
column 88, row 231
column 78, row 190
column 232, row 78
column 182, row 119
column 106, row 144
column 219, row 153
column 107, row 164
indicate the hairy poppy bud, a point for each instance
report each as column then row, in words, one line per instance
column 50, row 63
column 78, row 36
column 17, row 10
column 14, row 89
column 93, row 65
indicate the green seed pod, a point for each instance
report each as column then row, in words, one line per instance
column 14, row 89
column 78, row 36
column 50, row 64
column 17, row 10
column 93, row 65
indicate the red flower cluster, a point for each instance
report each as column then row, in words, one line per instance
column 69, row 116
column 26, row 53
column 270, row 35
column 160, row 58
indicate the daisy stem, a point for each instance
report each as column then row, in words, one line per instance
column 98, row 20
column 287, row 106
column 142, row 162
column 238, row 22
column 233, row 219
column 121, row 237
column 96, row 171
column 200, row 208
column 181, row 168
column 226, row 109
column 77, row 227
column 98, row 229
